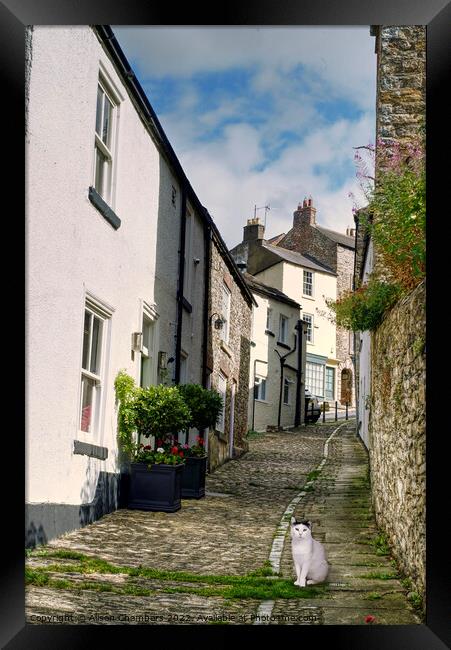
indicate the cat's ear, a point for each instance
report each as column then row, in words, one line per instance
column 293, row 521
column 309, row 524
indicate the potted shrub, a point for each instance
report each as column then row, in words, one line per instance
column 205, row 407
column 155, row 469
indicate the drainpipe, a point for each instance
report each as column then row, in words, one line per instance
column 282, row 363
column 178, row 346
column 206, row 320
column 297, row 415
column 206, row 323
column 253, row 399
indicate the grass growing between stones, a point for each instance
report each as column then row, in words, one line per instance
column 260, row 584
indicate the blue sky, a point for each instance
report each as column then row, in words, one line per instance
column 262, row 116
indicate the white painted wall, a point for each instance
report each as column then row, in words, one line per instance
column 365, row 363
column 72, row 249
column 265, row 362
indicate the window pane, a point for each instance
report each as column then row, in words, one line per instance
column 308, row 283
column 314, row 378
column 100, row 172
column 106, row 129
column 329, row 387
column 308, row 320
column 147, row 335
column 86, row 329
column 96, row 346
column 146, row 372
column 99, row 110
column 87, row 404
column 286, row 392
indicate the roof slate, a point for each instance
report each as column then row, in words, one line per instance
column 338, row 237
column 298, row 259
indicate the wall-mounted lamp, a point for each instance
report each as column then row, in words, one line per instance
column 196, row 260
column 219, row 321
column 137, row 341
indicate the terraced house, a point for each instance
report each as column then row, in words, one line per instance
column 309, row 283
column 118, row 273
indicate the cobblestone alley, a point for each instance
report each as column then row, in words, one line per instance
column 214, row 560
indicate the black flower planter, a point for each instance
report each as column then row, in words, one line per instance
column 157, row 489
column 193, row 477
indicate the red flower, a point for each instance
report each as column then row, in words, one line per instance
column 370, row 619
column 174, row 450
column 201, row 441
column 159, row 442
column 181, row 453
column 147, row 447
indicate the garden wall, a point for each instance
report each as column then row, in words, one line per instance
column 397, row 433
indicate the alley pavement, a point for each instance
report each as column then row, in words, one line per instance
column 209, row 562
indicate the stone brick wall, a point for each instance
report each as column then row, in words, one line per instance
column 397, row 416
column 397, row 434
column 401, row 81
column 345, row 342
column 231, row 359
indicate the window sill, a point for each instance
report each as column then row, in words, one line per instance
column 104, row 208
column 304, row 297
column 187, row 305
column 262, row 401
column 270, row 333
column 283, row 345
column 88, row 449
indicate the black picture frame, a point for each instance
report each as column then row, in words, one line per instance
column 436, row 14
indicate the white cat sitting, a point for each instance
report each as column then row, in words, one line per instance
column 309, row 556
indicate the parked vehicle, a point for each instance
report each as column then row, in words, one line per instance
column 312, row 408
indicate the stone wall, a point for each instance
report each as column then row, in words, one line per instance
column 232, row 359
column 345, row 342
column 401, row 81
column 397, row 433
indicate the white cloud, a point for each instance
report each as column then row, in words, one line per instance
column 233, row 166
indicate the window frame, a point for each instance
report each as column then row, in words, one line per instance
column 106, row 150
column 311, row 323
column 305, row 284
column 226, row 298
column 331, row 373
column 220, row 424
column 287, row 382
column 311, row 381
column 283, row 318
column 269, row 317
column 259, row 384
column 104, row 314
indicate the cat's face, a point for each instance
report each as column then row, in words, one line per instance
column 301, row 529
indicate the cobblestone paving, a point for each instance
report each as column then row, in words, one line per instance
column 230, row 533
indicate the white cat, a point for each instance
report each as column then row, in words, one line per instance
column 309, row 556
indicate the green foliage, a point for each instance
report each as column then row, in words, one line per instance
column 398, row 227
column 205, row 405
column 160, row 411
column 364, row 308
column 166, row 455
column 154, row 411
column 260, row 584
column 126, row 392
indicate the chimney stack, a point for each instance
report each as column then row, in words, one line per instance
column 305, row 214
column 254, row 230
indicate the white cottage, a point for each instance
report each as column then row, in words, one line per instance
column 108, row 211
